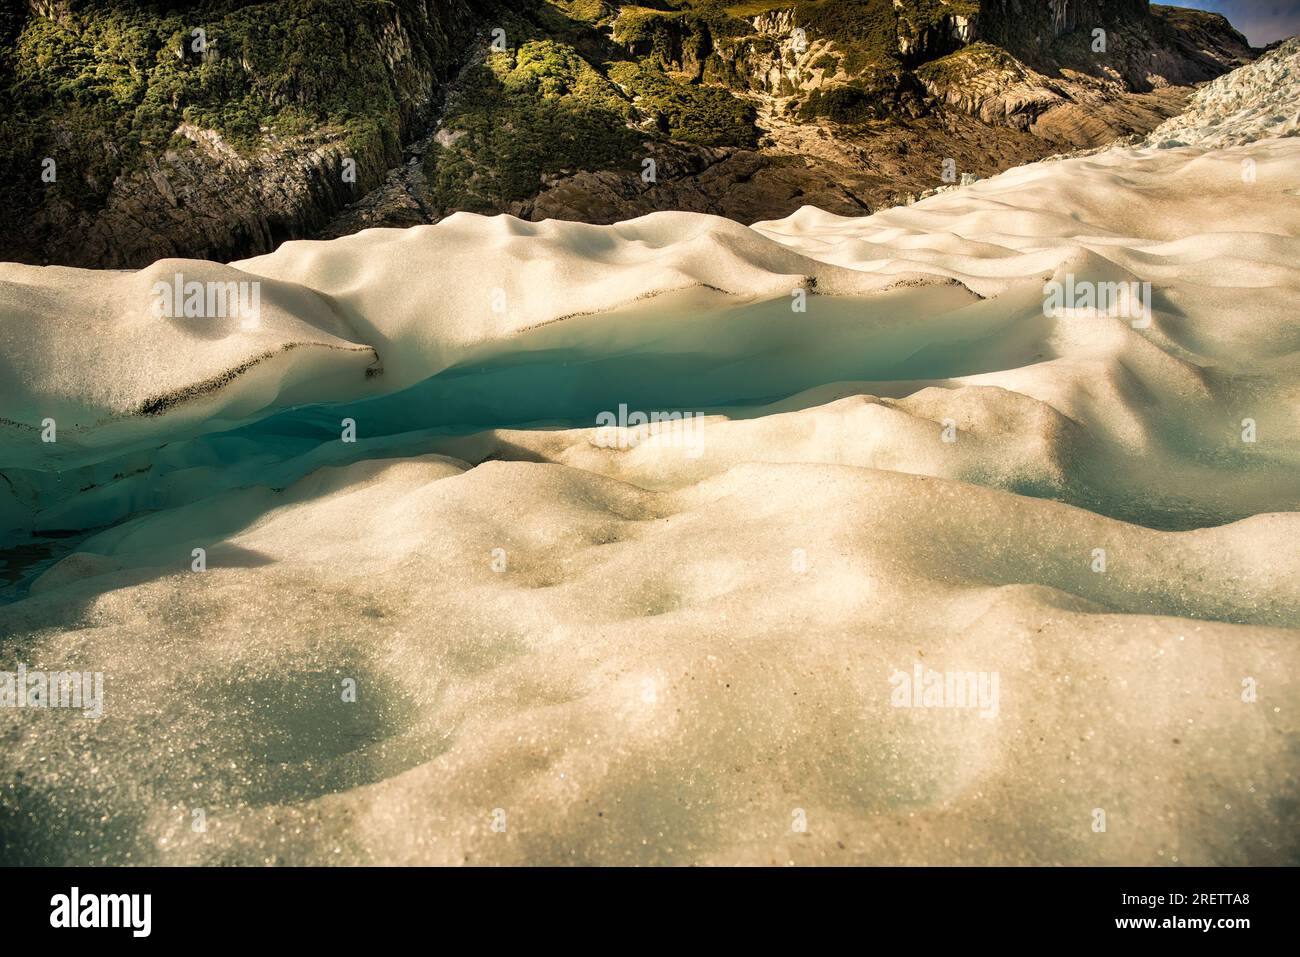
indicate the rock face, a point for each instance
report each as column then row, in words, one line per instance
column 203, row 198
column 1028, row 26
column 810, row 167
column 1019, row 112
column 1140, row 44
column 205, row 202
column 859, row 105
column 1082, row 73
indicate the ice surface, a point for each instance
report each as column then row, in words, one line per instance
column 1259, row 100
column 674, row 650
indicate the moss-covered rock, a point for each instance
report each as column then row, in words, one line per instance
column 682, row 111
column 522, row 115
column 103, row 86
column 236, row 144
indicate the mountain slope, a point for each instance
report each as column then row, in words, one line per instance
column 294, row 118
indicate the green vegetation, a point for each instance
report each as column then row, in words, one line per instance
column 108, row 86
column 827, row 61
column 868, row 25
column 875, row 95
column 587, row 11
column 706, row 115
column 539, row 110
column 854, row 102
column 544, row 109
column 931, row 11
column 105, row 85
column 675, row 34
column 966, row 63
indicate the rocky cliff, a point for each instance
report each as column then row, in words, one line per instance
column 135, row 138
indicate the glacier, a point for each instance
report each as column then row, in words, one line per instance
column 641, row 653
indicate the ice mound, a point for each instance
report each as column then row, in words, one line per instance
column 686, row 708
column 93, row 351
column 1259, row 100
column 515, row 622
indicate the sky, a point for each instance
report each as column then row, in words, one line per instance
column 1263, row 21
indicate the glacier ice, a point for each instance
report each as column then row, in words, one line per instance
column 640, row 655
